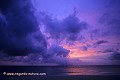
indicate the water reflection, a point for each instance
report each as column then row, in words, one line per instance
column 81, row 71
column 93, row 70
column 63, row 71
column 84, row 70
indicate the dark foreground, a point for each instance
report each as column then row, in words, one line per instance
column 60, row 73
column 82, row 77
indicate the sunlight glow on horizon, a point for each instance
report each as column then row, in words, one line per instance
column 76, row 52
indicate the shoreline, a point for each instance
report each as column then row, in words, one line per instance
column 79, row 77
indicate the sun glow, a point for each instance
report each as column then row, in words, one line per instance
column 76, row 52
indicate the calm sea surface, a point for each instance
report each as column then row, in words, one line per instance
column 62, row 70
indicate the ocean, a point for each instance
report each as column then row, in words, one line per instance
column 96, row 72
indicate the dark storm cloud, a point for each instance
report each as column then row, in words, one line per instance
column 112, row 22
column 53, row 53
column 22, row 40
column 20, row 36
column 101, row 42
column 69, row 28
column 111, row 18
column 52, row 26
column 19, row 31
column 56, row 50
column 107, row 50
column 115, row 56
column 114, row 53
column 110, row 50
column 4, row 5
column 73, row 25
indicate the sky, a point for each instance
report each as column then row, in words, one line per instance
column 64, row 32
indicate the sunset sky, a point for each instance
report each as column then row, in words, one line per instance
column 60, row 32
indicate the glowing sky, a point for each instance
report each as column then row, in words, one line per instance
column 75, row 32
column 97, row 37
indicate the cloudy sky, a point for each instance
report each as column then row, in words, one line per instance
column 59, row 32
